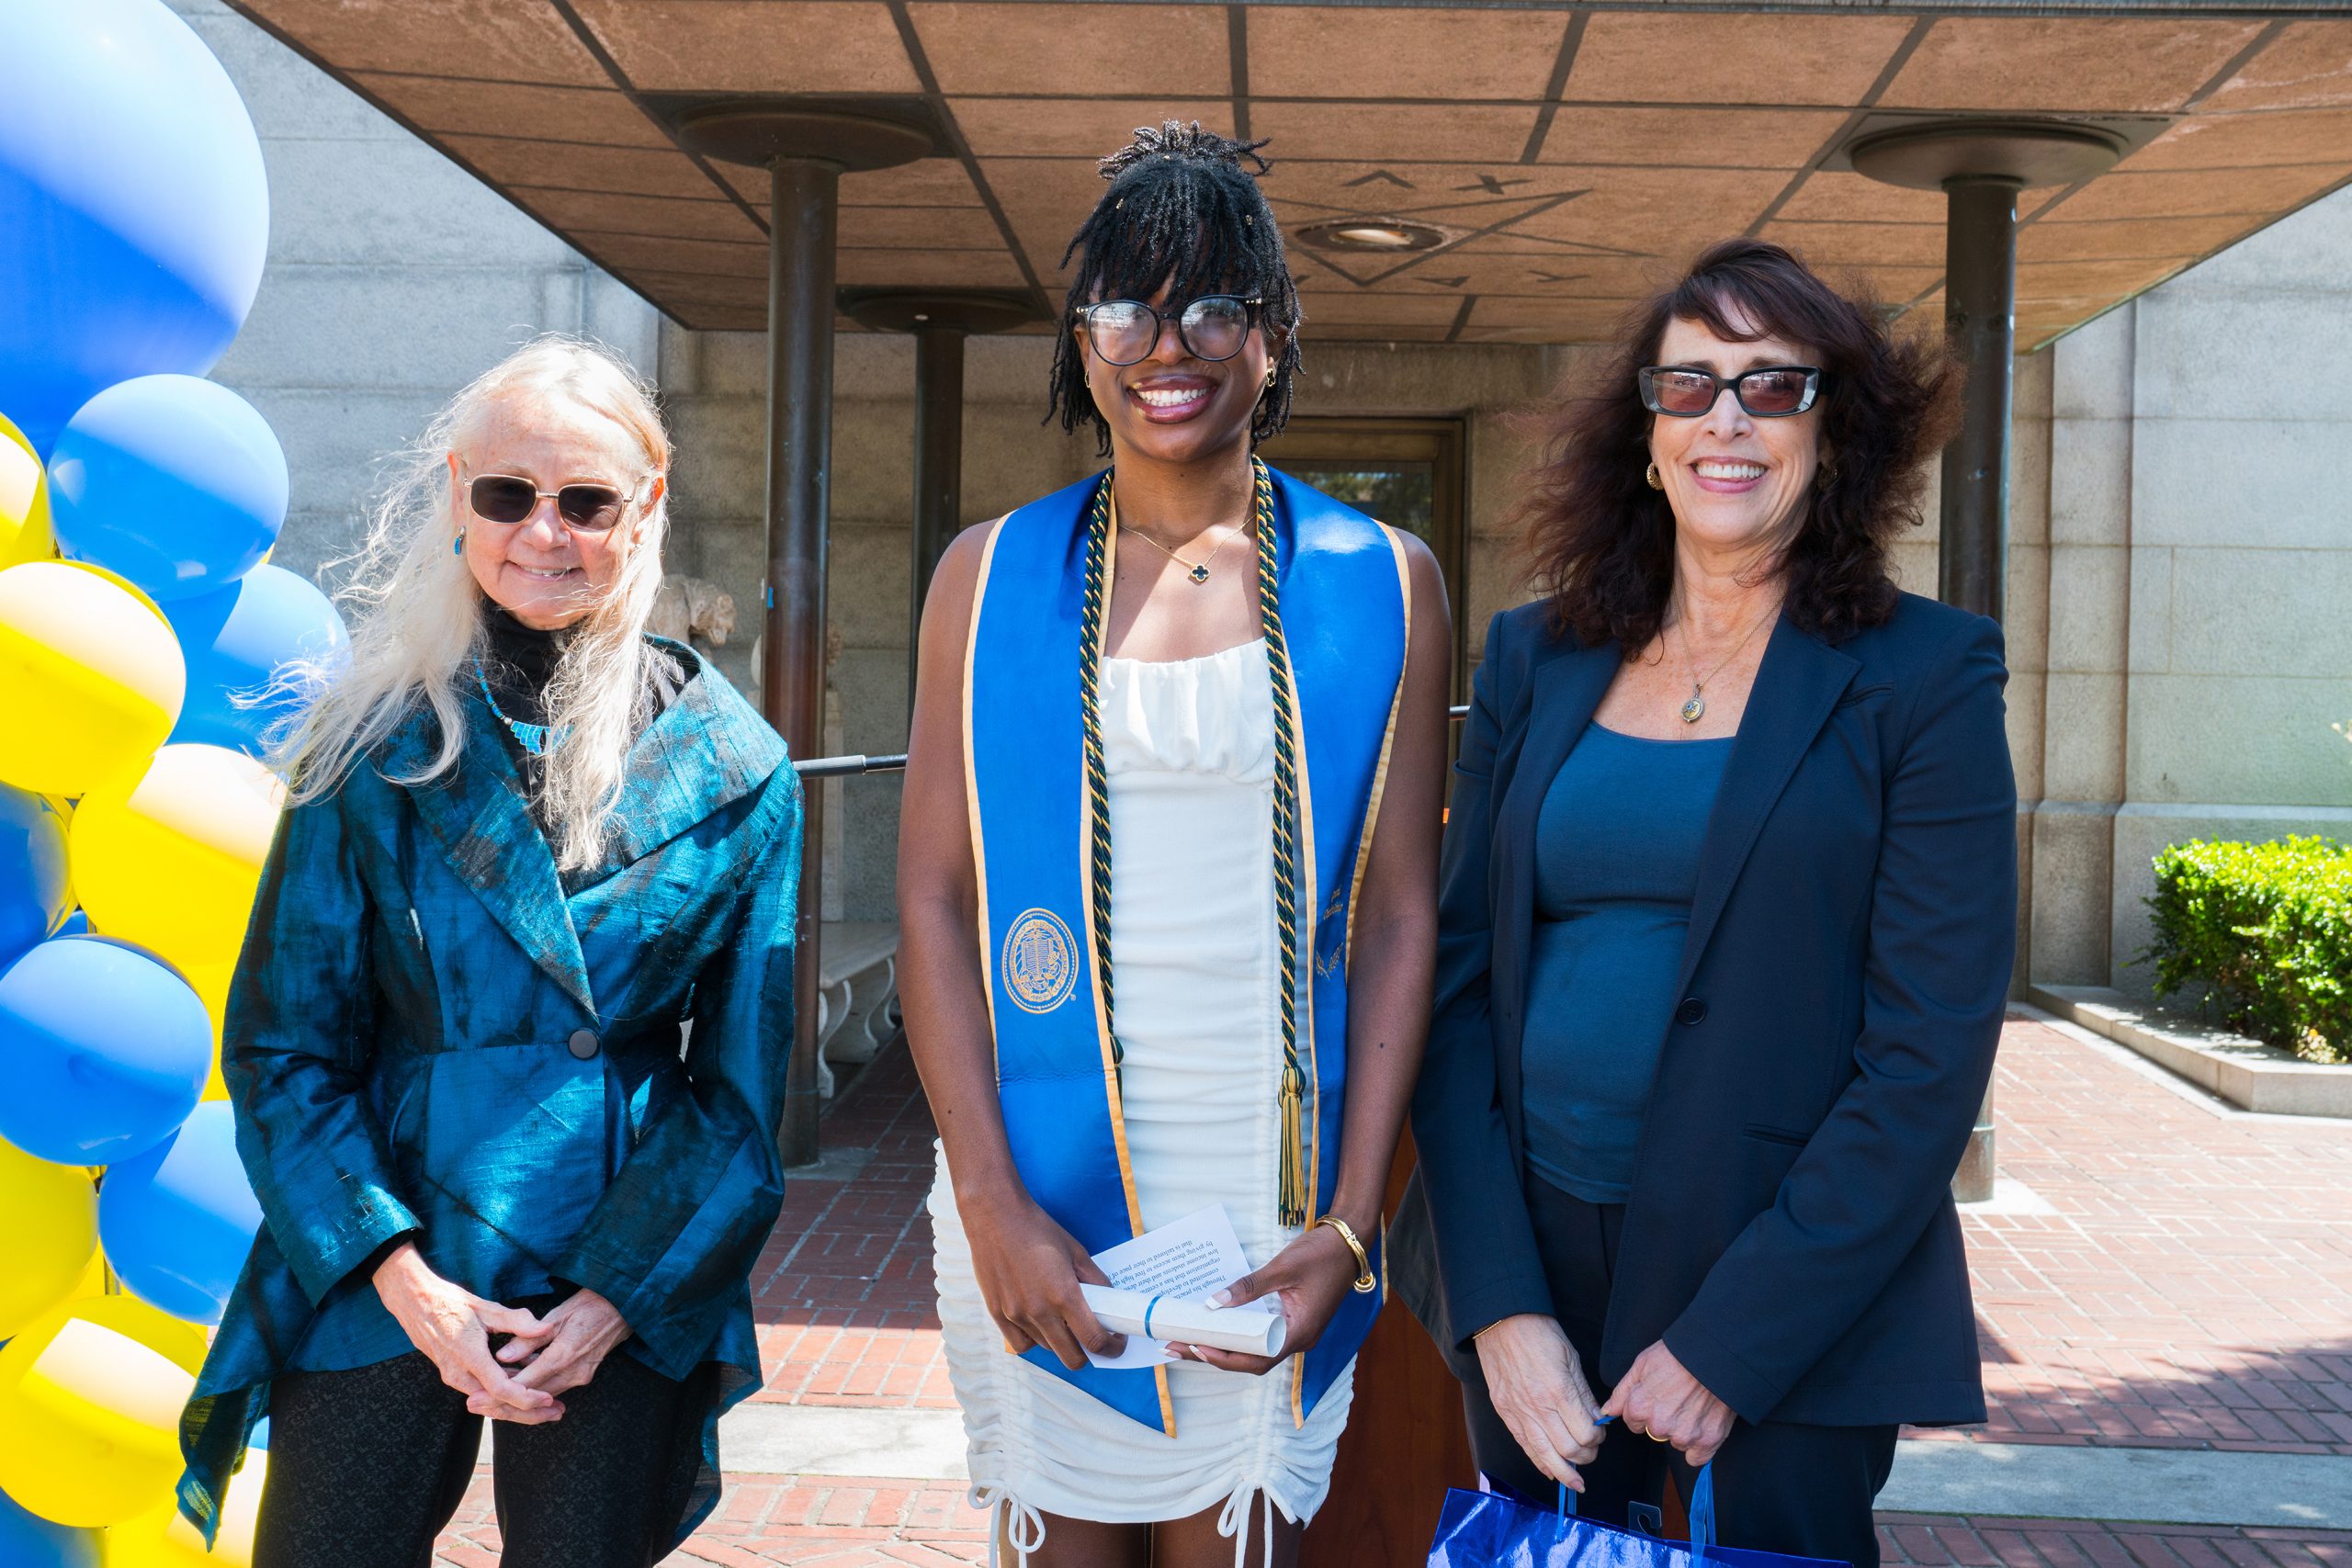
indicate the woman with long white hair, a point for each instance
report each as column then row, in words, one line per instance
column 526, row 843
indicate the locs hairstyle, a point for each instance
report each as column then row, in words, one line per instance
column 1183, row 209
column 1599, row 542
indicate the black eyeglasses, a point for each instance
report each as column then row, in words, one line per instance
column 592, row 509
column 1774, row 391
column 1213, row 327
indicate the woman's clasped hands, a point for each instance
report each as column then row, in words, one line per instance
column 1538, row 1388
column 520, row 1381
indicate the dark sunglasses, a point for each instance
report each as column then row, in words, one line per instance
column 1776, row 391
column 1213, row 327
column 592, row 509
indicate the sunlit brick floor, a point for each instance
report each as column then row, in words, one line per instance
column 2189, row 1287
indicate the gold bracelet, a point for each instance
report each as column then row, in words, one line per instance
column 1364, row 1282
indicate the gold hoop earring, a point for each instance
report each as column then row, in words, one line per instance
column 1655, row 483
column 1271, row 371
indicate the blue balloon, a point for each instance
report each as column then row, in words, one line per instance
column 27, row 1540
column 172, row 480
column 76, row 923
column 177, row 1221
column 104, row 1050
column 35, row 891
column 236, row 640
column 134, row 210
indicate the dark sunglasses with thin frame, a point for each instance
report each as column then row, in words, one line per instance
column 1770, row 392
column 1212, row 328
column 591, row 507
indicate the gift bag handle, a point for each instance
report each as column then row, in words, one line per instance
column 1702, row 1511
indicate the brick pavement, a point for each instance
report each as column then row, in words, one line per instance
column 2191, row 1287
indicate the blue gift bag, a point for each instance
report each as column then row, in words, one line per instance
column 1488, row 1530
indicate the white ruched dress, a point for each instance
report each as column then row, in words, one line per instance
column 1195, row 955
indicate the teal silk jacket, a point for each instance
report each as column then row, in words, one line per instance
column 431, row 1031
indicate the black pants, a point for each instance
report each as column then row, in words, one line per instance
column 366, row 1468
column 1780, row 1486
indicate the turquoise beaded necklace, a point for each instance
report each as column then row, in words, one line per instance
column 533, row 738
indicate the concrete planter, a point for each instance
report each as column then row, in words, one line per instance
column 2244, row 1072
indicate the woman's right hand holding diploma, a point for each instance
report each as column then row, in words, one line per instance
column 1029, row 1271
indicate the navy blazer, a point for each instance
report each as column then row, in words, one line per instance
column 1790, row 1232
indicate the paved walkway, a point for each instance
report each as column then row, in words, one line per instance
column 2154, row 1275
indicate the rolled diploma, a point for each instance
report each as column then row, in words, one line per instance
column 1241, row 1331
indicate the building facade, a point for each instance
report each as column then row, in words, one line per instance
column 2181, row 562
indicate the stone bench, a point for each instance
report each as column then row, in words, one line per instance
column 858, row 979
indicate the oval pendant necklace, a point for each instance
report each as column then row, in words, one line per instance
column 1695, row 708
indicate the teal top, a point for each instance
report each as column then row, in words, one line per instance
column 433, row 1032
column 1616, row 863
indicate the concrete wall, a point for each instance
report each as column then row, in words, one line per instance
column 2198, row 576
column 395, row 278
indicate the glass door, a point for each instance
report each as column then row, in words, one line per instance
column 1406, row 472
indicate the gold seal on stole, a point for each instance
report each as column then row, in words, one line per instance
column 1040, row 964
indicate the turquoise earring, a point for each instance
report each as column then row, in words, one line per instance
column 459, row 546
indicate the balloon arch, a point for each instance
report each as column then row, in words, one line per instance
column 145, row 651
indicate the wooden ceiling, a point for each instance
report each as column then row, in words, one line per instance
column 1570, row 157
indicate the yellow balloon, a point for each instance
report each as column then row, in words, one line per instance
column 164, row 1540
column 90, row 1399
column 210, row 984
column 48, row 1232
column 95, row 1281
column 23, row 500
column 91, row 681
column 169, row 857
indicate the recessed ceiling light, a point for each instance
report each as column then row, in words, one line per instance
column 1371, row 234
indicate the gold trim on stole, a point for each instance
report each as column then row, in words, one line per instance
column 1355, row 891
column 972, row 788
column 1094, row 969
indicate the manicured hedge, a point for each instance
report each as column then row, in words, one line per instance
column 2263, row 934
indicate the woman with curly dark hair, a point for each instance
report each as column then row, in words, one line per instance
column 1182, row 723
column 1727, row 918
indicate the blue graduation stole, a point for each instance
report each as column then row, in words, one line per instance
column 1344, row 600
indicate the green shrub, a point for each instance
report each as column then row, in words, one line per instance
column 2264, row 932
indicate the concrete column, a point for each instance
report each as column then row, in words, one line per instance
column 2085, row 717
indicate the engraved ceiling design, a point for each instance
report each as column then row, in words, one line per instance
column 1568, row 157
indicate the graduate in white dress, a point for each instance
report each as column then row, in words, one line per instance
column 1165, row 888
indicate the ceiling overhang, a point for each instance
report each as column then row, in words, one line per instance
column 1567, row 159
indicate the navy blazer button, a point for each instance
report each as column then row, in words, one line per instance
column 582, row 1042
column 1691, row 1010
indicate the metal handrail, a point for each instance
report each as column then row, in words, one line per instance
column 857, row 763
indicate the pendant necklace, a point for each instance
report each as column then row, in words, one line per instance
column 1696, row 708
column 532, row 738
column 1198, row 571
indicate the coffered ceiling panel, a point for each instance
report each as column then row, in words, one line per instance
column 571, row 213
column 1696, row 137
column 1536, row 169
column 1334, row 52
column 2308, row 65
column 1056, row 50
column 2199, row 193
column 1663, row 58
column 751, row 46
column 2249, row 141
column 2078, row 63
column 600, row 115
column 1446, row 132
column 1087, row 128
